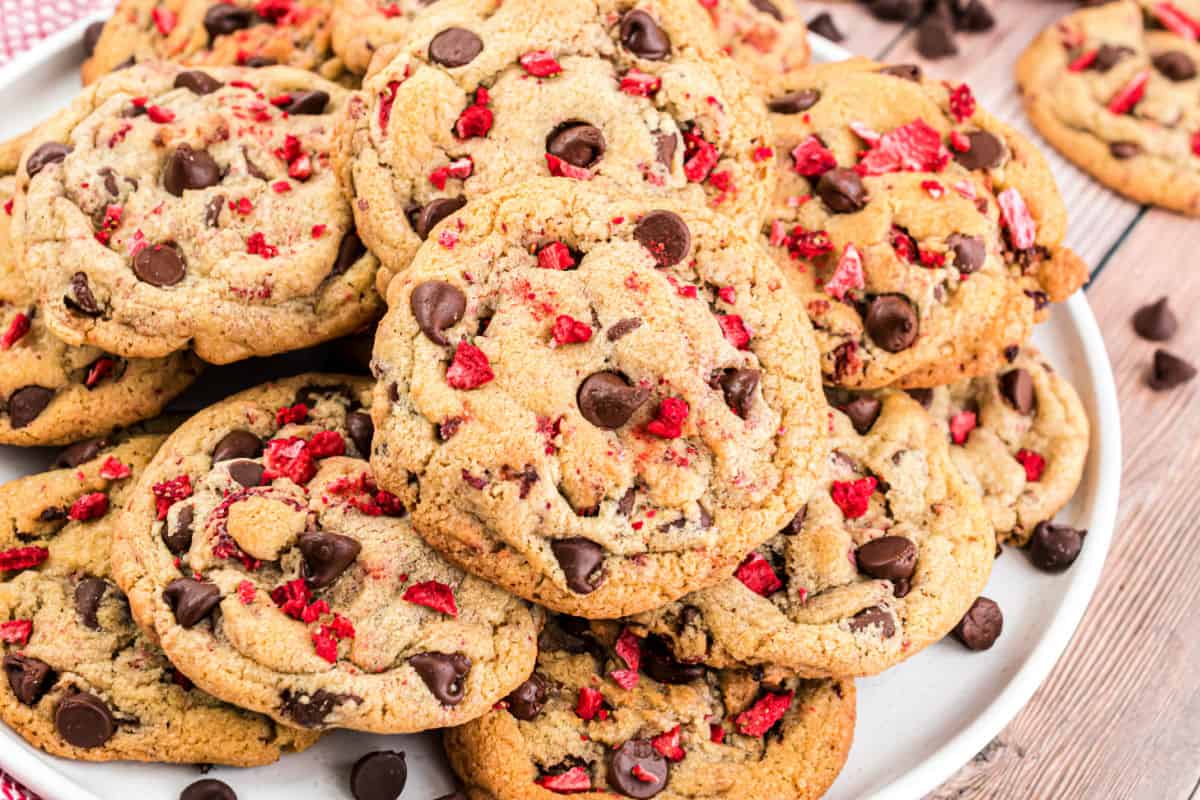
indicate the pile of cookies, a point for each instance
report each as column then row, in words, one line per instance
column 700, row 386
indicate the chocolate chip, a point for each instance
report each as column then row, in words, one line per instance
column 178, row 539
column 794, row 102
column 739, row 385
column 213, row 209
column 84, row 720
column 452, row 796
column 191, row 600
column 208, row 789
column 247, row 473
column 528, row 699
column 1016, row 386
column 159, row 264
column 45, row 155
column 895, row 10
column 935, row 37
column 225, row 18
column 665, row 235
column 80, row 453
column 425, row 218
column 361, row 429
column 310, row 102
column 651, row 769
column 91, row 35
column 660, row 664
column 379, row 776
column 326, row 556
column 969, row 252
column 1124, row 150
column 907, row 72
column 349, row 252
column 665, row 145
column 842, row 191
column 622, row 328
column 888, row 557
column 1011, row 352
column 310, row 710
column 1175, row 65
column 863, row 411
column 26, row 404
column 189, row 169
column 437, row 305
column 767, row 7
column 577, row 143
column 891, row 322
column 88, row 594
column 1156, row 322
column 974, row 16
column 607, row 400
column 29, row 678
column 986, row 152
column 625, row 504
column 237, row 444
column 1109, row 55
column 1053, row 548
column 643, row 37
column 197, row 82
column 455, row 47
column 874, row 617
column 257, row 62
column 1168, row 372
column 922, row 396
column 444, row 673
column 980, row 627
column 79, row 297
column 581, row 561
column 823, row 25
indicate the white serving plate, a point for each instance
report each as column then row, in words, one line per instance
column 917, row 724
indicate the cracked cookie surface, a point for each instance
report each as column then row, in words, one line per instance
column 887, row 556
column 606, row 402
column 483, row 94
column 923, row 235
column 1115, row 89
column 169, row 206
column 279, row 577
column 80, row 679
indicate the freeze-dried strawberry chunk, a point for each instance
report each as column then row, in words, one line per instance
column 758, row 576
column 629, row 648
column 160, row 115
column 915, row 147
column 460, row 168
column 1176, row 20
column 734, row 328
column 848, row 275
column 589, row 704
column 114, row 470
column 812, row 157
column 164, row 20
column 716, row 733
column 961, row 425
column 564, row 169
column 289, row 415
column 1196, row 143
column 962, row 102
column 325, row 643
column 1022, row 230
column 170, row 492
column 476, row 119
column 292, row 597
column 1131, row 94
column 540, row 64
column 289, row 458
column 853, row 497
column 433, row 594
column 16, row 329
column 246, row 592
column 22, row 558
column 470, row 368
column 256, row 244
column 575, row 779
column 699, row 158
column 1033, row 463
column 668, row 423
column 387, row 98
column 667, row 744
column 1083, row 61
column 16, row 631
column 555, row 255
column 807, row 244
column 568, row 330
column 91, row 506
column 760, row 717
column 324, row 444
column 640, row 84
column 100, row 369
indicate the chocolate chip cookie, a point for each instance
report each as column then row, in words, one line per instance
column 605, row 401
column 1019, row 437
column 765, row 38
column 280, row 577
column 362, row 27
column 169, row 207
column 1115, row 89
column 485, row 93
column 80, row 680
column 885, row 559
column 216, row 33
column 924, row 236
column 52, row 393
column 612, row 714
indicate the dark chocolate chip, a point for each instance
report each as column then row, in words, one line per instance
column 197, row 82
column 1175, row 65
column 665, row 235
column 310, row 102
column 643, row 37
column 842, row 191
column 863, row 411
column 1053, row 548
column 625, row 504
column 237, row 444
column 29, row 678
column 922, row 396
column 577, row 143
column 874, row 617
column 906, row 72
column 794, row 102
column 651, row 768
column 974, row 16
column 425, row 218
column 223, row 19
column 1109, row 55
column 45, row 155
column 88, row 594
column 767, row 7
column 80, row 453
column 26, row 404
column 437, row 305
column 349, row 252
column 935, row 37
column 1124, row 150
column 891, row 322
column 607, row 400
column 178, row 539
column 91, row 35
column 660, row 664
column 665, row 145
column 159, row 264
column 455, row 47
column 986, row 151
column 208, row 789
column 888, row 557
column 623, row 327
column 738, row 386
column 187, row 168
column 213, row 209
column 895, row 10
column 582, row 562
column 379, row 776
column 528, row 699
column 980, row 627
column 257, row 62
column 1016, row 386
column 1168, row 371
column 823, row 25
column 310, row 710
column 969, row 252
column 1156, row 322
column 326, row 556
column 444, row 673
column 84, row 720
column 796, row 525
column 247, row 473
column 191, row 600
column 361, row 429
column 79, row 297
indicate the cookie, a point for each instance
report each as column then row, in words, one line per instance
column 80, row 680
column 1115, row 89
column 279, row 577
column 361, row 27
column 887, row 556
column 169, row 207
column 216, row 33
column 924, row 236
column 610, row 715
column 765, row 38
column 483, row 94
column 1019, row 437
column 52, row 393
column 606, row 401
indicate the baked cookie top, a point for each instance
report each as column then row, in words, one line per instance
column 279, row 577
column 80, row 680
column 216, row 33
column 765, row 38
column 169, row 206
column 613, row 715
column 52, row 393
column 1115, row 89
column 485, row 93
column 924, row 235
column 606, row 401
column 1019, row 437
column 889, row 553
column 362, row 27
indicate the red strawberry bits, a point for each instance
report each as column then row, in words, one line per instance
column 853, row 497
column 433, row 594
column 762, row 716
column 469, row 369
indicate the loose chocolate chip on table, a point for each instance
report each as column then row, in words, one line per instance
column 1053, row 548
column 986, row 151
column 80, row 453
column 26, row 404
column 577, row 143
column 767, row 7
column 247, row 473
column 665, row 235
column 208, row 789
column 607, row 400
column 895, row 10
column 84, row 720
column 1124, row 150
column 191, row 600
column 455, row 47
column 178, row 538
column 379, row 776
column 643, row 37
column 973, row 16
column 45, row 155
column 823, row 25
column 159, row 264
column 1167, row 372
column 237, row 444
column 660, row 664
column 437, row 305
column 444, row 674
column 310, row 102
column 88, row 594
column 424, row 219
column 528, row 699
column 187, row 168
column 91, row 35
column 326, row 556
column 361, row 429
column 1016, row 387
column 349, row 251
column 863, row 411
column 1175, row 65
column 842, row 191
column 1156, row 322
column 908, row 72
column 581, row 561
column 197, row 82
column 223, row 19
column 980, row 627
column 650, row 777
column 888, row 557
column 794, row 102
column 891, row 322
column 969, row 252
column 874, row 617
column 935, row 36
column 29, row 678
column 738, row 385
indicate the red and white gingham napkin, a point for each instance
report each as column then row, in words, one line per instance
column 23, row 23
column 11, row 790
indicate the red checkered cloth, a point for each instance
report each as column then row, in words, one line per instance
column 11, row 790
column 23, row 23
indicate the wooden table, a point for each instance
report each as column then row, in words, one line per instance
column 1120, row 715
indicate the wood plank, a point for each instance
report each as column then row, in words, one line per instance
column 1120, row 715
column 865, row 35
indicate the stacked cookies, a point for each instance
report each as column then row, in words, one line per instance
column 700, row 387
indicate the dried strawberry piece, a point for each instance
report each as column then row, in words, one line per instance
column 576, row 779
column 324, row 444
column 1131, row 94
column 915, row 147
column 962, row 102
column 16, row 329
column 959, row 142
column 476, row 119
column 160, row 115
column 301, row 168
column 325, row 643
column 589, row 704
column 111, row 221
column 808, row 244
column 903, row 244
column 668, row 423
column 16, row 631
column 568, row 330
column 640, row 84
column 564, row 169
column 1033, row 463
column 762, row 716
column 273, row 10
column 291, row 415
column 727, row 294
column 100, row 369
column 164, row 20
column 1196, row 143
column 170, row 492
column 289, row 458
column 540, row 64
column 246, row 592
column 314, row 611
column 1176, row 20
column 853, row 497
column 643, row 775
column 470, row 368
column 667, row 745
column 933, row 189
column 1022, row 230
column 758, row 576
column 699, row 158
column 1083, row 61
column 735, row 330
column 629, row 649
column 114, row 470
column 460, row 168
column 930, row 258
column 18, row 558
column 625, row 678
column 387, row 98
column 848, row 275
column 555, row 255
column 256, row 244
column 292, row 597
column 812, row 157
column 91, row 506
column 432, row 594
column 961, row 425
column 716, row 733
